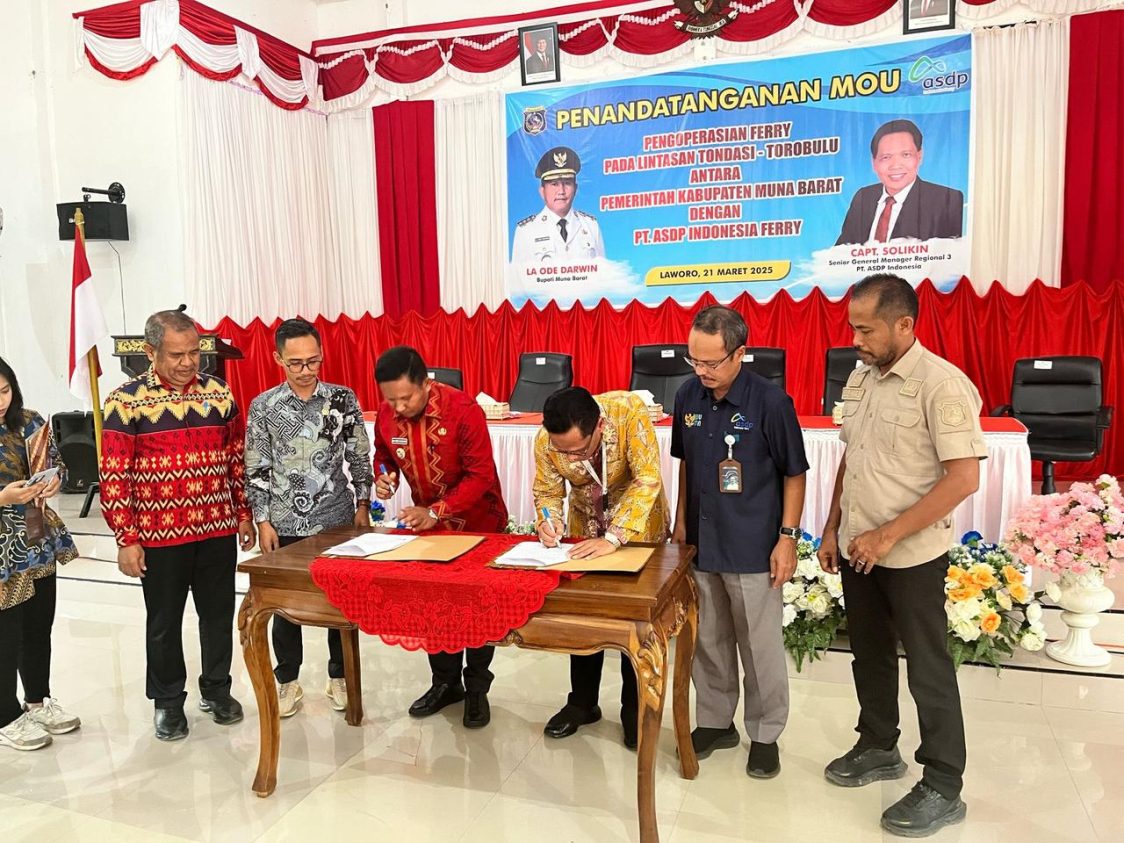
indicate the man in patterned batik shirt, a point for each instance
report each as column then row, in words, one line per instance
column 298, row 437
column 605, row 448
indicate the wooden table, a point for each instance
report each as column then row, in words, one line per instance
column 636, row 614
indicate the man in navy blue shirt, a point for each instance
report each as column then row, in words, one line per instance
column 741, row 494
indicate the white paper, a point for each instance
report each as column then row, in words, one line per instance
column 485, row 398
column 534, row 555
column 667, row 352
column 369, row 543
column 647, row 397
column 1043, row 364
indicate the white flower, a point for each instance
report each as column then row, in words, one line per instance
column 808, row 567
column 1034, row 612
column 965, row 610
column 788, row 615
column 1032, row 640
column 1004, row 600
column 790, row 591
column 819, row 604
column 1053, row 592
column 966, row 630
column 834, row 584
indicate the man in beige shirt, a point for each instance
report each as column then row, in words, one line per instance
column 911, row 426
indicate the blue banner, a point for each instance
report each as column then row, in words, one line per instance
column 786, row 173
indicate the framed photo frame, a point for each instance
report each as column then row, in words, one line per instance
column 928, row 15
column 538, row 54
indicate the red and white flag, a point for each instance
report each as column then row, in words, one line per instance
column 87, row 325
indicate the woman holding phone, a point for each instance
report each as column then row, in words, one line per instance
column 33, row 540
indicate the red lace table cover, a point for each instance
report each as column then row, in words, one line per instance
column 437, row 606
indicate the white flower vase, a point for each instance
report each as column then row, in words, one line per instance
column 1083, row 597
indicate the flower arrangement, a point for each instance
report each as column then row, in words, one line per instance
column 517, row 529
column 990, row 609
column 1078, row 533
column 813, row 605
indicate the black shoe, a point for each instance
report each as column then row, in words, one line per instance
column 863, row 765
column 922, row 812
column 705, row 740
column 477, row 712
column 170, row 723
column 566, row 722
column 629, row 724
column 225, row 711
column 764, row 760
column 436, row 698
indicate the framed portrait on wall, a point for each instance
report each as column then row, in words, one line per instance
column 928, row 15
column 538, row 53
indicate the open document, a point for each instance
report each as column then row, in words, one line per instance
column 534, row 555
column 368, row 544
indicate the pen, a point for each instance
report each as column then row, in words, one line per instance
column 546, row 518
column 382, row 469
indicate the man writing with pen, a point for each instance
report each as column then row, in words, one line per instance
column 436, row 437
column 604, row 447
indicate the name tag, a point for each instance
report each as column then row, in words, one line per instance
column 399, row 440
column 853, row 393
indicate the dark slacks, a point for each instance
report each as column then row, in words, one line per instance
column 585, row 683
column 907, row 604
column 288, row 642
column 25, row 648
column 206, row 569
column 446, row 668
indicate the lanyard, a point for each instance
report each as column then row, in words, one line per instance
column 603, row 479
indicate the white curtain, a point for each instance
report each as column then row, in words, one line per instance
column 1021, row 78
column 270, row 222
column 354, row 208
column 471, row 203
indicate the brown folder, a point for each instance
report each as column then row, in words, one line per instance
column 429, row 549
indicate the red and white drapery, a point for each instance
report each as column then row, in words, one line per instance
column 124, row 40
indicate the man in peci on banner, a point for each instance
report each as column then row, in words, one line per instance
column 558, row 232
column 901, row 205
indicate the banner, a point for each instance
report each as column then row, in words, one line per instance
column 753, row 177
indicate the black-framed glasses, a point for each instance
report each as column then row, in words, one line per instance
column 707, row 364
column 298, row 366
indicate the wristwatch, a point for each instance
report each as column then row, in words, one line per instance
column 794, row 533
column 433, row 515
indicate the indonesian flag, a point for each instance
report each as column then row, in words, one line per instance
column 87, row 325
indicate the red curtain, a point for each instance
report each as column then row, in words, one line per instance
column 984, row 335
column 1092, row 241
column 406, row 182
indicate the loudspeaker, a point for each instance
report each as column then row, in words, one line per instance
column 104, row 220
column 74, row 436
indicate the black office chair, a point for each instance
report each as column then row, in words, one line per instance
column 1059, row 401
column 840, row 363
column 449, row 377
column 541, row 374
column 660, row 369
column 766, row 362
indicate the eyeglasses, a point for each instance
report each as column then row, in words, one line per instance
column 583, row 453
column 707, row 364
column 298, row 366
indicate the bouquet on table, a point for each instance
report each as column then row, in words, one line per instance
column 991, row 611
column 517, row 529
column 813, row 605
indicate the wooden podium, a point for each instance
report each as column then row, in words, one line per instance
column 214, row 354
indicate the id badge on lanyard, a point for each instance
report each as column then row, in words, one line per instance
column 730, row 470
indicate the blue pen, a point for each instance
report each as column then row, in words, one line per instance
column 383, row 471
column 545, row 517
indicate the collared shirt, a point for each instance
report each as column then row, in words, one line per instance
column 895, row 211
column 171, row 467
column 538, row 238
column 295, row 454
column 899, row 427
column 445, row 454
column 736, row 533
column 633, row 507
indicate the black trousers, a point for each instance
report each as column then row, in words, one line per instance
column 288, row 642
column 446, row 668
column 585, row 683
column 206, row 568
column 25, row 647
column 884, row 606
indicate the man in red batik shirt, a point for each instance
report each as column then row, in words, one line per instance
column 437, row 438
column 172, row 490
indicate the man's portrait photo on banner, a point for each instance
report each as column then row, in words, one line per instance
column 901, row 204
column 928, row 15
column 559, row 232
column 538, row 54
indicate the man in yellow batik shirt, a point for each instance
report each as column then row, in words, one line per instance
column 604, row 447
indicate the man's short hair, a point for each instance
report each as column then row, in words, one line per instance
column 162, row 321
column 400, row 361
column 568, row 408
column 718, row 319
column 896, row 296
column 291, row 329
column 891, row 128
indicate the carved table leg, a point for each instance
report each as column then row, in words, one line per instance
column 649, row 658
column 352, row 676
column 681, row 688
column 252, row 623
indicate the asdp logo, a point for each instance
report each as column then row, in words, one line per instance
column 934, row 77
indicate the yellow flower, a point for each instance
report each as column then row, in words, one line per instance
column 1019, row 592
column 1012, row 574
column 983, row 575
column 964, row 592
column 989, row 623
column 955, row 574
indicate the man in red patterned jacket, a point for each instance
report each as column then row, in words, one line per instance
column 172, row 490
column 437, row 438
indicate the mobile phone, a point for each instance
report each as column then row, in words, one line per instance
column 42, row 476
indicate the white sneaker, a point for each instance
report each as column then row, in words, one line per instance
column 337, row 693
column 52, row 717
column 289, row 695
column 24, row 733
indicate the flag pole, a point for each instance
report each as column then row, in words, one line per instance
column 92, row 354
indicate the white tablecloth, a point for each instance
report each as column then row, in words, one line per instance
column 1004, row 477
